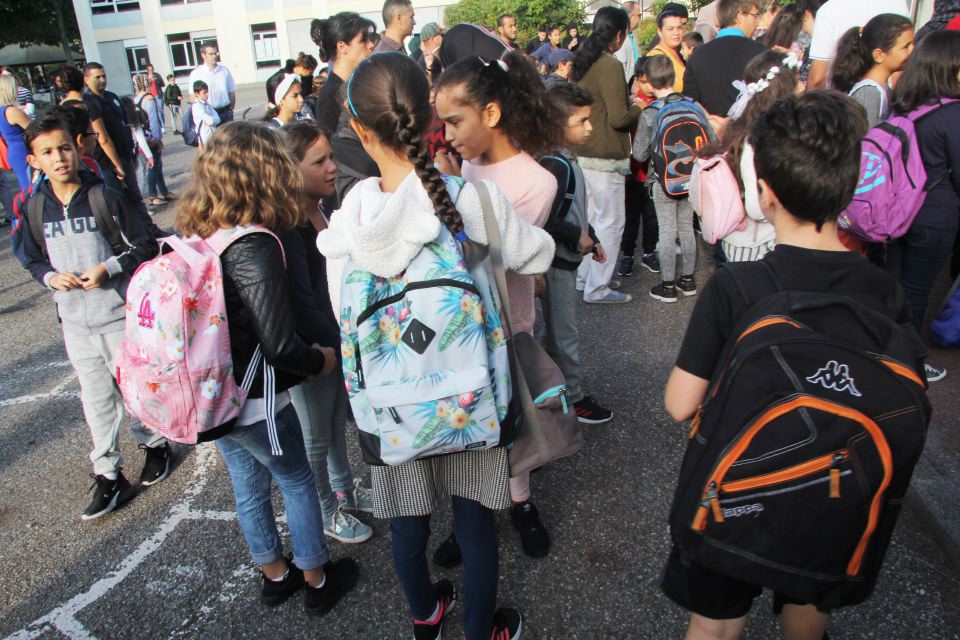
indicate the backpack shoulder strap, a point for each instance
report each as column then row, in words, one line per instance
column 751, row 287
column 562, row 169
column 35, row 207
column 106, row 221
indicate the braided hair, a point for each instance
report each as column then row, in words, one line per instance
column 389, row 95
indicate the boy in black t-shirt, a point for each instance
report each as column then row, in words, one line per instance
column 807, row 159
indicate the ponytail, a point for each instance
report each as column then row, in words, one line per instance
column 854, row 57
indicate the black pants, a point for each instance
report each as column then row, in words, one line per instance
column 639, row 211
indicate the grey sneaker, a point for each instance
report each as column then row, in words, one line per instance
column 359, row 498
column 345, row 528
column 614, row 297
column 934, row 374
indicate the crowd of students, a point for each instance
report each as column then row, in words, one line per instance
column 425, row 142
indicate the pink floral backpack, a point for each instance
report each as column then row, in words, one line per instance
column 174, row 368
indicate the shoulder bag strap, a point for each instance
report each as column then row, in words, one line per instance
column 35, row 206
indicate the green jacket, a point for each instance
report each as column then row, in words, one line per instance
column 613, row 114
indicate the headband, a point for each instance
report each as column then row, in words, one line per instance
column 747, row 91
column 284, row 87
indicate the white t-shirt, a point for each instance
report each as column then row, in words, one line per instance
column 219, row 81
column 836, row 17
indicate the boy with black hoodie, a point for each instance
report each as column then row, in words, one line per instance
column 82, row 241
column 574, row 239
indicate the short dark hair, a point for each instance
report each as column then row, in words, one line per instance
column 200, row 85
column 693, row 39
column 90, row 66
column 569, row 97
column 728, row 10
column 78, row 120
column 807, row 148
column 543, row 29
column 503, row 17
column 169, row 76
column 554, row 27
column 659, row 72
column 47, row 124
column 71, row 77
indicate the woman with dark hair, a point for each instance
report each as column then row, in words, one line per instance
column 605, row 158
column 344, row 41
column 931, row 75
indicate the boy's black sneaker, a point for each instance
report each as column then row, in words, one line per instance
column 156, row 467
column 533, row 535
column 507, row 624
column 276, row 593
column 687, row 285
column 447, row 554
column 447, row 600
column 340, row 578
column 664, row 292
column 650, row 262
column 626, row 266
column 589, row 412
column 106, row 495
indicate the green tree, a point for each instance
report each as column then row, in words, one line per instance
column 50, row 22
column 530, row 14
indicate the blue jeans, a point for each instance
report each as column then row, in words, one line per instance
column 156, row 185
column 246, row 452
column 321, row 404
column 476, row 530
column 916, row 260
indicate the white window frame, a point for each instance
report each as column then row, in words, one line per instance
column 266, row 45
column 100, row 7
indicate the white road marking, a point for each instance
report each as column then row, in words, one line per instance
column 58, row 391
column 63, row 618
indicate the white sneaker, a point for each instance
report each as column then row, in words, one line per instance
column 934, row 374
column 360, row 498
column 345, row 528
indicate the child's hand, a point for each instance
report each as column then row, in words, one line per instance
column 65, row 282
column 329, row 359
column 539, row 286
column 150, row 162
column 599, row 255
column 93, row 277
column 447, row 164
column 586, row 243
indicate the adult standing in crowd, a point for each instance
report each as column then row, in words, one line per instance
column 629, row 52
column 428, row 55
column 398, row 25
column 105, row 106
column 507, row 29
column 572, row 40
column 769, row 10
column 707, row 22
column 155, row 82
column 605, row 158
column 344, row 40
column 670, row 30
column 219, row 80
column 834, row 19
column 713, row 68
column 173, row 97
column 13, row 120
column 150, row 106
column 71, row 80
column 537, row 42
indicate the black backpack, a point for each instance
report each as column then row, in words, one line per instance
column 562, row 169
column 102, row 214
column 800, row 456
column 680, row 129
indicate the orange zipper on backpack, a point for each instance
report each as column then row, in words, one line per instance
column 716, row 478
column 810, row 467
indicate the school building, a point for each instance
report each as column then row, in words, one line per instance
column 255, row 37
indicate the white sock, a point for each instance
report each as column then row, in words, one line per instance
column 281, row 578
column 322, row 583
column 110, row 476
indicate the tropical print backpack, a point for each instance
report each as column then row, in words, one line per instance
column 175, row 367
column 424, row 356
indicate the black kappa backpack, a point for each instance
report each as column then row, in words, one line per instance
column 802, row 451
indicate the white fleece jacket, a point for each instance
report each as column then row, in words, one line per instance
column 382, row 232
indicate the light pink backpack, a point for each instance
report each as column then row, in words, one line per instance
column 174, row 368
column 715, row 196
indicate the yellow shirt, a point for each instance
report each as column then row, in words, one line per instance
column 678, row 67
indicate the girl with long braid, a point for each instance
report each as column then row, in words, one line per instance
column 382, row 226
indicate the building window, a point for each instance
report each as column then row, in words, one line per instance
column 113, row 6
column 266, row 46
column 168, row 2
column 185, row 51
column 137, row 60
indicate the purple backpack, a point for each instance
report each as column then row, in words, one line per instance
column 893, row 180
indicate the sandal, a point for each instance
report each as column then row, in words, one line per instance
column 169, row 195
column 156, row 202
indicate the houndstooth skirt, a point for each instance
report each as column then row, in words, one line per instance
column 417, row 488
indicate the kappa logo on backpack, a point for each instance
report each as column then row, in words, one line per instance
column 680, row 130
column 188, row 129
column 804, row 446
column 893, row 180
column 175, row 367
column 424, row 356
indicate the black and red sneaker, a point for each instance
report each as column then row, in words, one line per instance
column 447, row 599
column 589, row 412
column 507, row 624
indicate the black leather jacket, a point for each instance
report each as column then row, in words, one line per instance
column 259, row 311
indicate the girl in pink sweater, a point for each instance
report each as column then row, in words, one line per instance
column 497, row 117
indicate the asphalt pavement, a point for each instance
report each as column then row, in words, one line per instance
column 172, row 562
